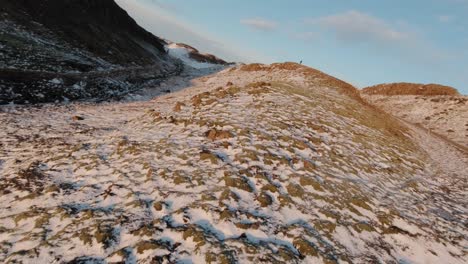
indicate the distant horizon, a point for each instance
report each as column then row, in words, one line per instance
column 361, row 42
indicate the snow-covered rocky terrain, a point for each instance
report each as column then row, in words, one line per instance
column 446, row 115
column 439, row 109
column 257, row 163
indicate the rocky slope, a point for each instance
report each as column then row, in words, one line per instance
column 55, row 50
column 439, row 109
column 258, row 163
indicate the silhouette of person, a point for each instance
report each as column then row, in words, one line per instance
column 300, row 62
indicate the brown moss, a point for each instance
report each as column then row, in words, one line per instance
column 284, row 200
column 156, row 116
column 143, row 246
column 257, row 88
column 207, row 155
column 237, row 182
column 305, row 247
column 326, row 226
column 198, row 99
column 255, row 225
column 85, row 237
column 178, row 106
column 23, row 216
column 42, row 220
column 361, row 202
column 264, row 199
column 254, row 67
column 226, row 214
column 247, row 156
column 309, row 181
column 270, row 187
column 211, row 258
column 197, row 236
column 295, row 190
column 309, row 166
column 360, row 227
column 214, row 134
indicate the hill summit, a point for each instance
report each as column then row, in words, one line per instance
column 410, row 89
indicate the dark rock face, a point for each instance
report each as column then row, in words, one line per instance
column 99, row 26
column 75, row 49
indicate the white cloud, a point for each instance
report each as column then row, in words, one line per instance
column 360, row 27
column 260, row 24
column 391, row 38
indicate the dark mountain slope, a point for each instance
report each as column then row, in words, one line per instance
column 91, row 48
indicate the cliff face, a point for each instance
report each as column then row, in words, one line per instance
column 98, row 26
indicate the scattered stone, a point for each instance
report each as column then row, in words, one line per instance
column 178, row 106
column 214, row 134
column 77, row 118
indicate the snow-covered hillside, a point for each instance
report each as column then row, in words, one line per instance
column 256, row 163
column 446, row 115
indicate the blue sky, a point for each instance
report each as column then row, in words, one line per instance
column 364, row 42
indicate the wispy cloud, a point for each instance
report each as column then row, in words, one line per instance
column 260, row 24
column 158, row 19
column 356, row 26
column 306, row 36
column 394, row 38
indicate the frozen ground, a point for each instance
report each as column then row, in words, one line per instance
column 252, row 164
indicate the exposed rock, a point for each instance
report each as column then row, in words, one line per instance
column 77, row 118
column 178, row 107
column 214, row 134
